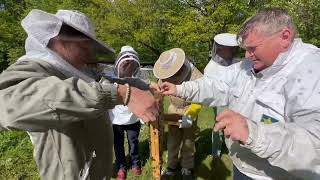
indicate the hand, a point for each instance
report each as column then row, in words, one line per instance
column 234, row 126
column 141, row 103
column 154, row 88
column 185, row 122
column 168, row 88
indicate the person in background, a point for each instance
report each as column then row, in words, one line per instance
column 223, row 53
column 63, row 109
column 272, row 121
column 173, row 66
column 126, row 65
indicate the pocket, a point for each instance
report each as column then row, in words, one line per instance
column 272, row 106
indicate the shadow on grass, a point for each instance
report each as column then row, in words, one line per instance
column 208, row 167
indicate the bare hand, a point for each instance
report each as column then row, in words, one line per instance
column 141, row 103
column 234, row 126
column 168, row 88
column 154, row 88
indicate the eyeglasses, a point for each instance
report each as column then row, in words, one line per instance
column 252, row 48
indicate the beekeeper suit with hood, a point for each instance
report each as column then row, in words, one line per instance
column 223, row 51
column 63, row 109
column 272, row 121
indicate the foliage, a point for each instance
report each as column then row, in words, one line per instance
column 11, row 36
column 151, row 27
column 306, row 15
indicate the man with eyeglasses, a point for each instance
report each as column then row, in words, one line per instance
column 273, row 121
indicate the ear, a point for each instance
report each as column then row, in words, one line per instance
column 286, row 38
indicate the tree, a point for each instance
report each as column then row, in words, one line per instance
column 153, row 26
column 11, row 36
column 306, row 15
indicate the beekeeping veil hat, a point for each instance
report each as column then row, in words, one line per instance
column 226, row 39
column 127, row 53
column 42, row 26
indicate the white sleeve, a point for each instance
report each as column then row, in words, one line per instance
column 213, row 88
column 295, row 144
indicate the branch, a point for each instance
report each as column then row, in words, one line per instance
column 156, row 51
column 203, row 12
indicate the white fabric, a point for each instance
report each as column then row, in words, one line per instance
column 78, row 21
column 210, row 66
column 120, row 115
column 226, row 39
column 39, row 34
column 288, row 91
column 127, row 53
column 127, row 49
column 41, row 27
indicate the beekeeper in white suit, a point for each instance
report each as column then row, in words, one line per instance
column 272, row 126
column 223, row 51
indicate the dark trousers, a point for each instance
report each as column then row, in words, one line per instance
column 133, row 141
column 237, row 175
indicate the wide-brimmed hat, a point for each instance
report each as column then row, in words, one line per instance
column 169, row 63
column 226, row 39
column 43, row 26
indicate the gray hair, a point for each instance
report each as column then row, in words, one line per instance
column 269, row 21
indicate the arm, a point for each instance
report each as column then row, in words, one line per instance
column 41, row 103
column 134, row 82
column 32, row 100
column 294, row 145
column 212, row 89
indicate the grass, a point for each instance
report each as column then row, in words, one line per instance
column 16, row 161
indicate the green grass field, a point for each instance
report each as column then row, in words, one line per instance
column 16, row 160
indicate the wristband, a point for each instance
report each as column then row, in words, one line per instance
column 128, row 93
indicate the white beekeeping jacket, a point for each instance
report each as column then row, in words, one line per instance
column 282, row 105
